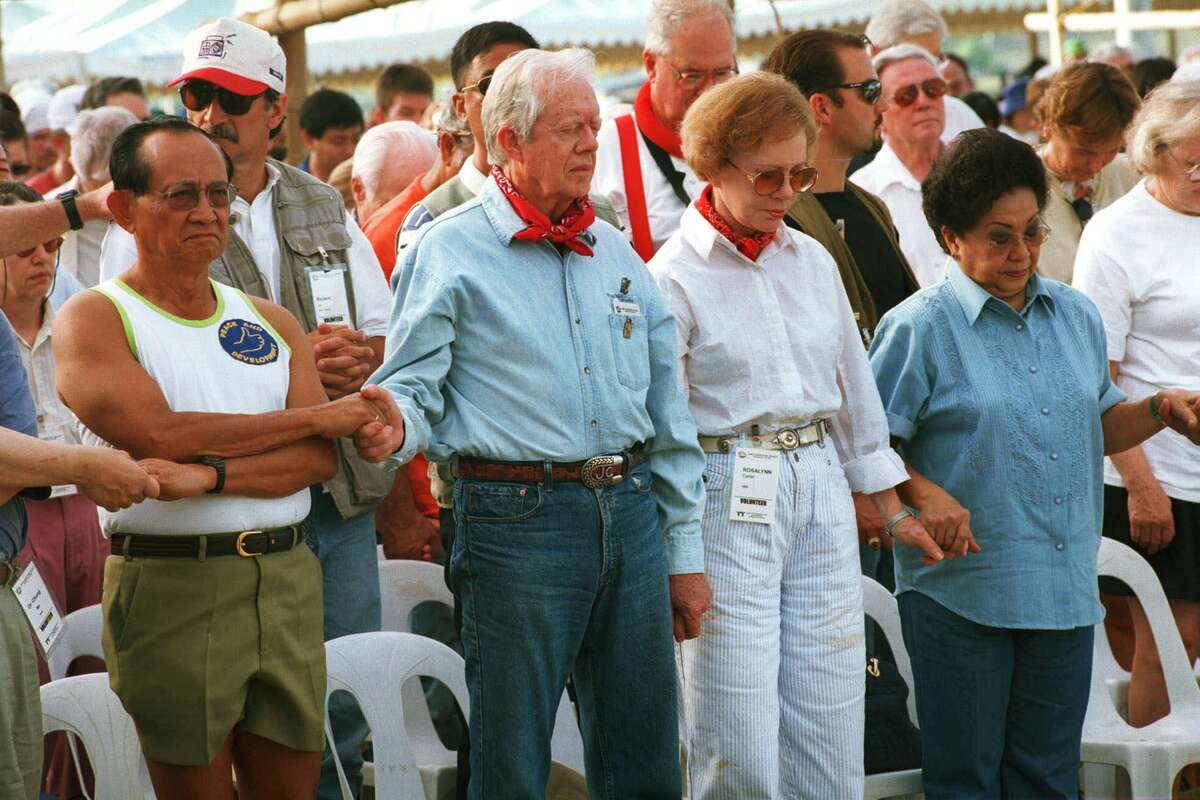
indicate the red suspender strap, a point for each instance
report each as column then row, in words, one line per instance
column 635, row 193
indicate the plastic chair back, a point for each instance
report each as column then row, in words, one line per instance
column 85, row 706
column 372, row 666
column 81, row 637
column 404, row 585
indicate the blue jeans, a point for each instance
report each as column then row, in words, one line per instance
column 1001, row 710
column 350, row 572
column 557, row 580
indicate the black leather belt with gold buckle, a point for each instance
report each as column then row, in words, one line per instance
column 246, row 544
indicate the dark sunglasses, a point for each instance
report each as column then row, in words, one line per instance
column 907, row 95
column 771, row 181
column 871, row 90
column 20, row 169
column 480, row 85
column 187, row 197
column 51, row 247
column 199, row 95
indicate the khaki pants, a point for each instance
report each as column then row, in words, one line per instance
column 20, row 703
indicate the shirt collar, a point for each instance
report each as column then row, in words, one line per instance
column 972, row 297
column 471, row 177
column 273, row 175
column 504, row 219
column 43, row 334
column 893, row 169
column 705, row 239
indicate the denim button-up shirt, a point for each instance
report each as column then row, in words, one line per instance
column 16, row 413
column 514, row 351
column 1002, row 410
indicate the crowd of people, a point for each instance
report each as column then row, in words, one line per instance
column 657, row 389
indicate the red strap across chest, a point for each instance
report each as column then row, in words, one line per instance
column 635, row 192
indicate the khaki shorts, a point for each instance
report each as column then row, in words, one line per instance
column 198, row 648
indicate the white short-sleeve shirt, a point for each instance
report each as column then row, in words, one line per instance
column 1137, row 261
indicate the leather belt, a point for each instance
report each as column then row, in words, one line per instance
column 595, row 473
column 782, row 439
column 241, row 543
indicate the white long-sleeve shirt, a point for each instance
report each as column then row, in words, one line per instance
column 773, row 343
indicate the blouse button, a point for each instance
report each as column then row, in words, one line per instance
column 1058, row 546
column 1058, row 501
column 1033, row 369
column 1045, row 410
column 593, row 423
column 1054, row 456
column 1020, row 327
column 587, row 370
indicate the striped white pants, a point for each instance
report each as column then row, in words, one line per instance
column 773, row 688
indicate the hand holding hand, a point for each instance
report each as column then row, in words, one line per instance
column 416, row 540
column 947, row 522
column 1179, row 412
column 911, row 533
column 344, row 360
column 177, row 481
column 870, row 523
column 690, row 598
column 113, row 480
column 377, row 440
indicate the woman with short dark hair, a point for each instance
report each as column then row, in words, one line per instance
column 997, row 391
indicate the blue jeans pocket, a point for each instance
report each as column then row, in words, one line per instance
column 501, row 502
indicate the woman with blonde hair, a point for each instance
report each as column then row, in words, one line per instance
column 791, row 423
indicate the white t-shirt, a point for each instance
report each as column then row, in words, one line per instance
column 662, row 205
column 888, row 178
column 1137, row 262
column 255, row 224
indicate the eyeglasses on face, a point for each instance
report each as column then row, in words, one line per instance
column 186, row 196
column 50, row 246
column 770, row 181
column 694, row 78
column 199, row 95
column 1190, row 168
column 1001, row 242
column 480, row 85
column 907, row 95
column 871, row 90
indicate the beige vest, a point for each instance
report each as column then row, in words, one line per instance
column 310, row 221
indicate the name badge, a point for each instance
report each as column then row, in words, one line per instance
column 330, row 300
column 35, row 600
column 755, row 485
column 626, row 308
column 57, row 434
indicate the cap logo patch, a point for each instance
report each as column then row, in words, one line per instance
column 213, row 46
column 275, row 73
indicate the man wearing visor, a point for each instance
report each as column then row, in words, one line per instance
column 291, row 241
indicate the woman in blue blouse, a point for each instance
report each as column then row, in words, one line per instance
column 997, row 392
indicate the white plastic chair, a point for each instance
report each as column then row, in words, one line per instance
column 372, row 666
column 879, row 605
column 1153, row 755
column 85, row 706
column 81, row 637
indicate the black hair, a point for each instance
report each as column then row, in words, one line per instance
column 962, row 62
column 329, row 108
column 1150, row 72
column 985, row 106
column 8, row 104
column 809, row 59
column 98, row 93
column 126, row 166
column 14, row 192
column 271, row 97
column 11, row 127
column 398, row 78
column 978, row 168
column 480, row 39
column 1031, row 68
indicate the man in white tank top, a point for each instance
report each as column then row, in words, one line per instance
column 212, row 602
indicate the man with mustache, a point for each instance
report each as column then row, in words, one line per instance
column 291, row 241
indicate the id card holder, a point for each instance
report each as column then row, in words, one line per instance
column 57, row 434
column 39, row 608
column 755, row 485
column 331, row 298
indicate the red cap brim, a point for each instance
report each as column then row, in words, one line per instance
column 226, row 80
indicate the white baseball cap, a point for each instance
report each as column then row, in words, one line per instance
column 64, row 107
column 35, row 109
column 235, row 56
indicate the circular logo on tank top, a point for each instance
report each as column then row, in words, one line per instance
column 247, row 342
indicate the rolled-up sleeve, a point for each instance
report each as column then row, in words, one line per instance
column 898, row 361
column 675, row 458
column 860, row 428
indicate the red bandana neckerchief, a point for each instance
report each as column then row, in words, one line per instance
column 651, row 126
column 749, row 246
column 579, row 218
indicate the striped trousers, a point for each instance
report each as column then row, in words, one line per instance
column 773, row 686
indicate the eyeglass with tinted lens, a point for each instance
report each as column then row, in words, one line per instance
column 907, row 95
column 199, row 95
column 480, row 85
column 871, row 90
column 187, row 196
column 51, row 247
column 693, row 78
column 1002, row 242
column 770, row 181
column 20, row 169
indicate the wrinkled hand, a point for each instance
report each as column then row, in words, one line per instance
column 1179, row 411
column 1151, row 523
column 347, row 415
column 378, row 439
column 870, row 523
column 113, row 480
column 911, row 533
column 177, row 481
column 344, row 359
column 690, row 598
column 416, row 539
column 948, row 523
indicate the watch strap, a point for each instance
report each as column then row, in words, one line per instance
column 67, row 199
column 1156, row 408
column 219, row 465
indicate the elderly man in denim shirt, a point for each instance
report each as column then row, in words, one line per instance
column 530, row 348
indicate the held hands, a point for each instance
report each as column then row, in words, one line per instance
column 690, row 598
column 113, row 480
column 947, row 522
column 177, row 481
column 343, row 358
column 384, row 435
column 870, row 523
column 1178, row 410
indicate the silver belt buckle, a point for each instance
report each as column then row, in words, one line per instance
column 602, row 471
column 788, row 439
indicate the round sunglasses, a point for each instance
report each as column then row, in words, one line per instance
column 907, row 95
column 770, row 181
column 199, row 95
column 50, row 246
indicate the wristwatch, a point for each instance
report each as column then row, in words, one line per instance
column 891, row 522
column 67, row 199
column 219, row 465
column 1156, row 408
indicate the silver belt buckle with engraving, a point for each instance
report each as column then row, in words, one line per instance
column 788, row 439
column 602, row 471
